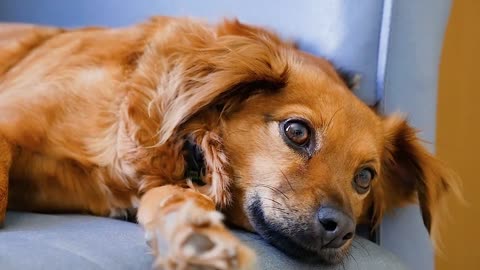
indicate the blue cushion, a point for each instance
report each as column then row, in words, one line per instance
column 37, row 241
column 40, row 241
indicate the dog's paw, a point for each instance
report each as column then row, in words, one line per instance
column 204, row 249
column 199, row 240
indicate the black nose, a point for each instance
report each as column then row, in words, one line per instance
column 337, row 227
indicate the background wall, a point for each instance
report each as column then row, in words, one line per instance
column 458, row 132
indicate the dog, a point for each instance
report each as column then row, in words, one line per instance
column 183, row 123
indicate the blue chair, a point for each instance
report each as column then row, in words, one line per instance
column 394, row 45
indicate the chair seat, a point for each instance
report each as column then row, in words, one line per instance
column 41, row 241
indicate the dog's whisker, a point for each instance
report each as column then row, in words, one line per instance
column 273, row 189
column 267, row 174
column 271, row 200
column 343, row 265
column 349, row 254
column 360, row 245
column 278, row 209
column 286, row 178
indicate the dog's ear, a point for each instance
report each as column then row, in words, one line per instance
column 212, row 72
column 217, row 174
column 214, row 69
column 410, row 173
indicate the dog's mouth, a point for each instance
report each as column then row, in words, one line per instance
column 300, row 249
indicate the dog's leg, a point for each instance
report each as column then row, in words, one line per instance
column 5, row 162
column 186, row 232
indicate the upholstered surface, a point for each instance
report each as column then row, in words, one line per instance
column 39, row 241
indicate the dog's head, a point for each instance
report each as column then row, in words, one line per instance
column 291, row 152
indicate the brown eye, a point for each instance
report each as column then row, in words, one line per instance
column 297, row 132
column 363, row 179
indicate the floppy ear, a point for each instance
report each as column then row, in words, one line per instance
column 194, row 69
column 215, row 67
column 217, row 175
column 411, row 174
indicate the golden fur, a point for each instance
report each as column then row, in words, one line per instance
column 94, row 120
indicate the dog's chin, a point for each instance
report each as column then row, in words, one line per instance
column 290, row 245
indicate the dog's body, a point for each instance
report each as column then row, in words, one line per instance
column 95, row 120
column 65, row 103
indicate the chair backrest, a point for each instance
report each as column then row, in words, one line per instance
column 394, row 45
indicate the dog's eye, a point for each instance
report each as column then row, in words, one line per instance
column 297, row 132
column 363, row 179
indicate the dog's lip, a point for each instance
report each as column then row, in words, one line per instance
column 283, row 242
column 287, row 244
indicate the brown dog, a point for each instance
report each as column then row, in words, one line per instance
column 103, row 121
